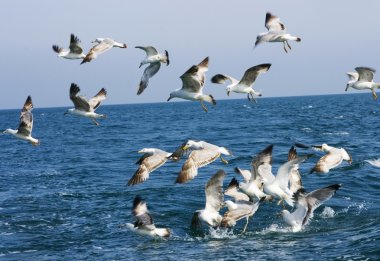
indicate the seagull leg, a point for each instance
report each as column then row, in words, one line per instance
column 253, row 99
column 285, row 47
column 95, row 122
column 249, row 99
column 223, row 160
column 203, row 106
column 374, row 95
column 288, row 45
column 281, row 201
column 245, row 227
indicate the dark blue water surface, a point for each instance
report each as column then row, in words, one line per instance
column 66, row 199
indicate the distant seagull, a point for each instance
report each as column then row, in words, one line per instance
column 75, row 50
column 144, row 222
column 305, row 206
column 24, row 130
column 277, row 186
column 295, row 181
column 150, row 161
column 154, row 59
column 202, row 154
column 103, row 45
column 332, row 159
column 246, row 83
column 276, row 32
column 192, row 85
column 363, row 80
column 241, row 208
column 214, row 202
column 375, row 162
column 84, row 107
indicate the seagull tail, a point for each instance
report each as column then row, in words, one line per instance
column 298, row 39
column 162, row 232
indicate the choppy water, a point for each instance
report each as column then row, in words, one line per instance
column 66, row 198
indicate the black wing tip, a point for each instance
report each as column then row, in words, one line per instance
column 234, row 183
column 204, row 62
column 292, row 154
column 74, row 88
column 213, row 101
column 56, row 48
column 137, row 201
column 237, row 170
column 268, row 149
column 167, row 58
column 218, row 78
column 302, row 146
column 335, row 186
column 74, row 38
column 365, row 68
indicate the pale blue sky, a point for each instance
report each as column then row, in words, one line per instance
column 336, row 37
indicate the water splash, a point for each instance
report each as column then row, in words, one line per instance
column 327, row 213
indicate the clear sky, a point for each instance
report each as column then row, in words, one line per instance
column 336, row 37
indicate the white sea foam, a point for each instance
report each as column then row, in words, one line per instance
column 275, row 228
column 306, row 129
column 327, row 213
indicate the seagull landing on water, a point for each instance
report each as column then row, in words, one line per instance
column 305, row 206
column 202, row 154
column 154, row 59
column 214, row 202
column 192, row 85
column 102, row 45
column 24, row 130
column 151, row 160
column 75, row 50
column 246, row 83
column 362, row 79
column 144, row 222
column 84, row 107
column 333, row 158
column 276, row 32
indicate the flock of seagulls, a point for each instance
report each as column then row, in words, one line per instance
column 258, row 186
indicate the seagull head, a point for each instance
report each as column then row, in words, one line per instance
column 34, row 142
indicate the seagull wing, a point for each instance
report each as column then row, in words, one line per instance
column 95, row 101
column 80, row 103
column 328, row 161
column 261, row 165
column 196, row 159
column 99, row 48
column 282, row 178
column 150, row 50
column 245, row 173
column 353, row 76
column 251, row 74
column 230, row 217
column 317, row 197
column 365, row 73
column 75, row 44
column 194, row 78
column 149, row 71
column 140, row 212
column 272, row 23
column 26, row 118
column 222, row 78
column 148, row 163
column 214, row 192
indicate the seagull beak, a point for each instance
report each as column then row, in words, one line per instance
column 184, row 147
column 169, row 98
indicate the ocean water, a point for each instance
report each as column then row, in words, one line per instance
column 66, row 199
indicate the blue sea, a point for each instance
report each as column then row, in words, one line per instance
column 67, row 198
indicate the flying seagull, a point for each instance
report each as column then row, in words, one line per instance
column 246, row 83
column 154, row 59
column 84, row 107
column 102, row 45
column 144, row 224
column 75, row 51
column 332, row 159
column 193, row 81
column 214, row 202
column 241, row 208
column 151, row 160
column 202, row 154
column 362, row 79
column 305, row 206
column 24, row 130
column 276, row 32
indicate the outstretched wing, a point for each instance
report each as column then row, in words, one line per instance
column 97, row 99
column 149, row 71
column 365, row 73
column 80, row 103
column 251, row 74
column 222, row 78
column 150, row 50
column 194, row 78
column 26, row 118
column 272, row 23
column 214, row 192
column 75, row 44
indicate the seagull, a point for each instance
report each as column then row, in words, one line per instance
column 305, row 206
column 102, row 45
column 144, row 222
column 375, row 162
column 75, row 50
column 276, row 32
column 295, row 180
column 246, row 83
column 84, row 107
column 241, row 208
column 332, row 159
column 150, row 161
column 363, row 80
column 214, row 202
column 278, row 186
column 253, row 185
column 24, row 130
column 154, row 59
column 193, row 81
column 202, row 154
